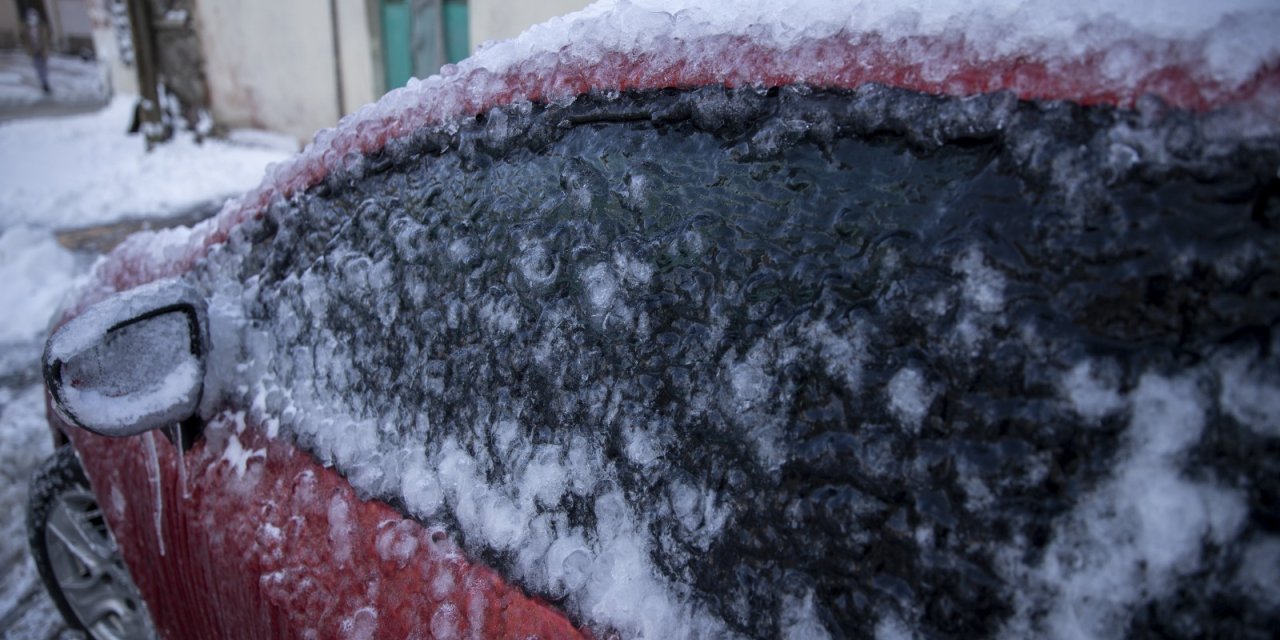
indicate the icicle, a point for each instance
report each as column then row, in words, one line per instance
column 182, row 462
column 154, row 472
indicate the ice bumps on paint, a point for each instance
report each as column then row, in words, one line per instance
column 799, row 362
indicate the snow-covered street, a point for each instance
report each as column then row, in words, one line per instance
column 65, row 184
column 77, row 85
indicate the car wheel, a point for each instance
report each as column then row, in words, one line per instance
column 76, row 556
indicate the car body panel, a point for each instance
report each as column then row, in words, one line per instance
column 252, row 538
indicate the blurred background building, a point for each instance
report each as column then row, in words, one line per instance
column 290, row 66
column 67, row 19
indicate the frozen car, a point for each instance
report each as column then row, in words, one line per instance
column 667, row 320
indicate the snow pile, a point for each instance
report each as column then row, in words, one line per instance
column 74, row 81
column 84, row 170
column 24, row 443
column 37, row 274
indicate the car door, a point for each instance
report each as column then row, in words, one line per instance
column 681, row 372
column 718, row 361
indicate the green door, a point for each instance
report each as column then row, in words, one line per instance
column 456, row 25
column 419, row 36
column 397, row 36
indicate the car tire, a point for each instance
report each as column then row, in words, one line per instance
column 76, row 556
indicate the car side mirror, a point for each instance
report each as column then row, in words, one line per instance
column 131, row 363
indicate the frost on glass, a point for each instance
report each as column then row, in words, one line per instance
column 791, row 363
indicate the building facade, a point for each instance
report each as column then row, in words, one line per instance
column 68, row 22
column 294, row 66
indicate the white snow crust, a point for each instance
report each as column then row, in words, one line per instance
column 606, row 572
column 127, row 410
column 38, row 274
column 909, row 396
column 84, row 170
column 1091, row 397
column 1251, row 394
column 1126, row 542
column 1229, row 43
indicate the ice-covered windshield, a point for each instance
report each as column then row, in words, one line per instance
column 797, row 362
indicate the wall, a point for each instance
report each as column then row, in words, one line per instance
column 68, row 19
column 8, row 24
column 68, row 24
column 505, row 19
column 271, row 65
column 358, row 59
column 72, row 18
column 108, row 28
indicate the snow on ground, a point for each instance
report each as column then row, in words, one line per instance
column 81, row 171
column 74, row 81
column 35, row 274
column 70, row 172
column 25, row 442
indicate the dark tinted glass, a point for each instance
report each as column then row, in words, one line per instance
column 848, row 316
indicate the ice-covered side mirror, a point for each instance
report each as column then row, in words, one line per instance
column 131, row 363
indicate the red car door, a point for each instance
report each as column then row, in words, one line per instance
column 682, row 324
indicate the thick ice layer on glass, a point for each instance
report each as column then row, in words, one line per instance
column 841, row 362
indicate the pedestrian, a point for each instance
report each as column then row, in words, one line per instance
column 35, row 37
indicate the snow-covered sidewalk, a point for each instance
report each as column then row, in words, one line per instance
column 84, row 170
column 75, row 82
column 69, row 173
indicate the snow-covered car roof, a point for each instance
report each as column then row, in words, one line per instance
column 1192, row 55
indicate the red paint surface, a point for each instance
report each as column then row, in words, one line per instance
column 255, row 556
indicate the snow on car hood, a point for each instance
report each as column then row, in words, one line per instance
column 1191, row 54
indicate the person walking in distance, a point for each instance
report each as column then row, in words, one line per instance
column 35, row 37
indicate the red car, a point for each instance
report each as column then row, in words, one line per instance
column 805, row 320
